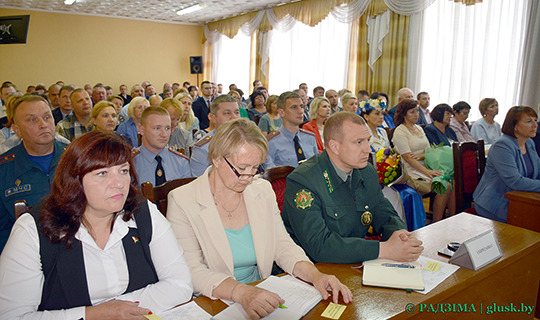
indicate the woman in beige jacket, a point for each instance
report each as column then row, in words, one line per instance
column 230, row 228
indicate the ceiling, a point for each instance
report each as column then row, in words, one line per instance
column 151, row 10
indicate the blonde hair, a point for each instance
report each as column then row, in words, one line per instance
column 314, row 106
column 232, row 135
column 271, row 99
column 346, row 97
column 100, row 106
column 135, row 102
column 189, row 117
column 172, row 102
column 160, row 111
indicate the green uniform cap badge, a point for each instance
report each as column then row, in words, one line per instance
column 367, row 217
column 303, row 199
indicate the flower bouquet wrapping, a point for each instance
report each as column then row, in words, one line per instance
column 440, row 158
column 389, row 167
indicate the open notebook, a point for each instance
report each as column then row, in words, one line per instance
column 392, row 274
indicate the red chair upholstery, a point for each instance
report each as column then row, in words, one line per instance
column 469, row 164
column 277, row 176
column 158, row 195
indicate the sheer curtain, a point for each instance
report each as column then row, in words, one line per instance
column 231, row 60
column 316, row 55
column 472, row 52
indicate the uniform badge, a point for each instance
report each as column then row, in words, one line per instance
column 299, row 151
column 366, row 218
column 135, row 239
column 328, row 182
column 303, row 199
column 17, row 182
column 159, row 173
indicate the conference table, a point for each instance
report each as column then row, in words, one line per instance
column 512, row 278
column 524, row 209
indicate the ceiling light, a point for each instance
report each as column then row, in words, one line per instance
column 188, row 9
column 69, row 2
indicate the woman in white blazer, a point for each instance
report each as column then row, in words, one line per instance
column 230, row 228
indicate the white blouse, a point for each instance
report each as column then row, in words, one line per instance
column 21, row 277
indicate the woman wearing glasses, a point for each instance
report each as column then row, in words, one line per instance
column 230, row 227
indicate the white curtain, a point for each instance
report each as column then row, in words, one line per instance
column 316, row 55
column 530, row 80
column 231, row 61
column 473, row 52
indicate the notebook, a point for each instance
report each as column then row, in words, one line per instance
column 391, row 274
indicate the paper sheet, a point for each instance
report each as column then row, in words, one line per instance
column 188, row 311
column 333, row 311
column 431, row 278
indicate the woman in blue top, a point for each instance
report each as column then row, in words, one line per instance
column 512, row 164
column 258, row 108
column 439, row 130
column 487, row 128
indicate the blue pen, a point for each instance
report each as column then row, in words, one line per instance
column 398, row 265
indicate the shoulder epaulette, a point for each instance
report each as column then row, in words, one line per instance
column 307, row 131
column 135, row 152
column 178, row 153
column 7, row 158
column 273, row 134
column 204, row 141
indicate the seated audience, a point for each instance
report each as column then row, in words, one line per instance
column 136, row 91
column 118, row 104
column 27, row 168
column 193, row 92
column 349, row 102
column 153, row 161
column 383, row 97
column 236, row 95
column 93, row 249
column 54, row 94
column 290, row 145
column 180, row 139
column 201, row 106
column 129, row 128
column 271, row 121
column 78, row 122
column 411, row 141
column 188, row 121
column 64, row 108
column 424, row 115
column 258, row 105
column 319, row 112
column 487, row 128
column 104, row 117
column 405, row 200
column 155, row 100
column 333, row 98
column 224, row 108
column 332, row 199
column 458, row 122
column 99, row 93
column 439, row 131
column 230, row 226
column 123, row 94
column 302, row 93
column 512, row 164
column 403, row 93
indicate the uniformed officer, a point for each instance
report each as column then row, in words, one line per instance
column 290, row 145
column 332, row 199
column 27, row 170
column 224, row 108
column 153, row 161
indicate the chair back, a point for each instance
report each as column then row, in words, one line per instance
column 277, row 176
column 20, row 208
column 158, row 195
column 469, row 165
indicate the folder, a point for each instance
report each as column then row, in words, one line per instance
column 392, row 274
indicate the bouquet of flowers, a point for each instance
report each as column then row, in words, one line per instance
column 389, row 167
column 441, row 158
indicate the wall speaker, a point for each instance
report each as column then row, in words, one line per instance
column 196, row 65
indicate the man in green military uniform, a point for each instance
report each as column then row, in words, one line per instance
column 27, row 170
column 332, row 199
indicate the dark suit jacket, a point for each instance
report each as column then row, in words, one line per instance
column 201, row 110
column 392, row 112
column 127, row 99
column 421, row 118
column 58, row 116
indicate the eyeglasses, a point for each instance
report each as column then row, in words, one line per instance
column 239, row 175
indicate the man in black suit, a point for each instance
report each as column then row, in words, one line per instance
column 424, row 118
column 201, row 106
column 64, row 109
column 123, row 94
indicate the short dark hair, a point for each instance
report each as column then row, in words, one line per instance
column 255, row 81
column 67, row 87
column 402, row 108
column 191, row 88
column 205, row 82
column 183, row 84
column 420, row 94
column 437, row 114
column 513, row 116
column 254, row 95
column 317, row 88
column 363, row 92
column 108, row 88
column 462, row 105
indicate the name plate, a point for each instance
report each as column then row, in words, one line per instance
column 477, row 252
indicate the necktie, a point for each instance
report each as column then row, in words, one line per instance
column 298, row 149
column 160, row 172
column 208, row 103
